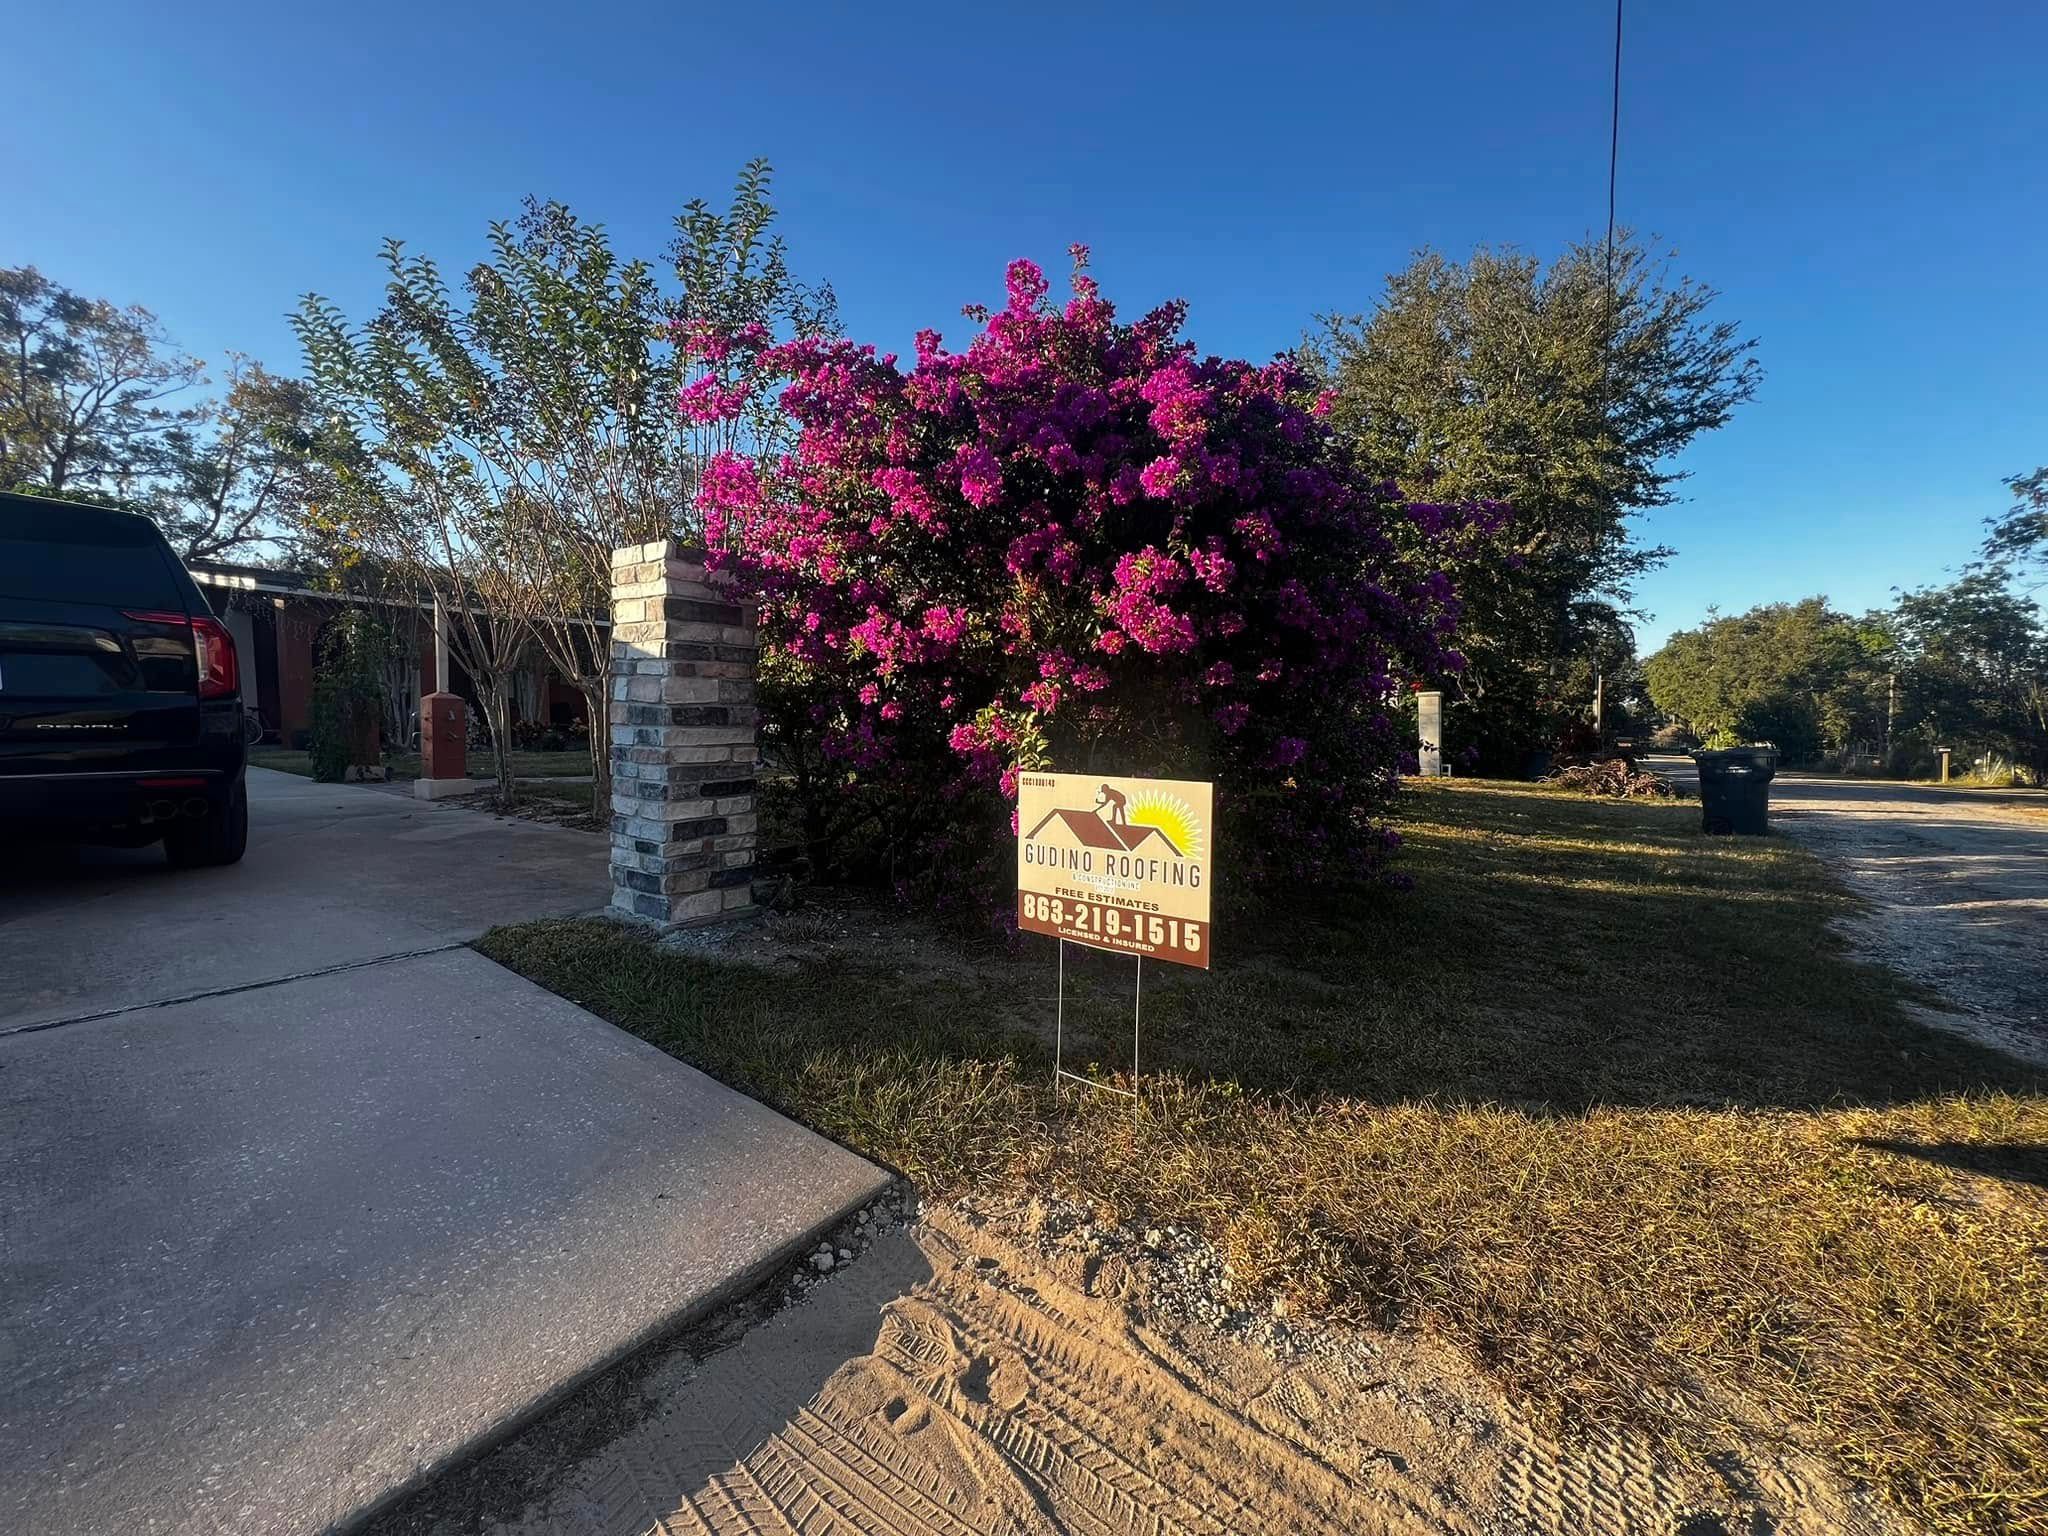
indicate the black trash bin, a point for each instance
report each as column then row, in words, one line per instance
column 1735, row 790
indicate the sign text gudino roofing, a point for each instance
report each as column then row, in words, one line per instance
column 1116, row 863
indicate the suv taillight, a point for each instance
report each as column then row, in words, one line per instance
column 219, row 675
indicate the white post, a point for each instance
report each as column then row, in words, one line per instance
column 1429, row 726
column 442, row 682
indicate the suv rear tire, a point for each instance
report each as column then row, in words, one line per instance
column 220, row 839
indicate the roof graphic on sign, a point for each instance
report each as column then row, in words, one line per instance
column 1092, row 831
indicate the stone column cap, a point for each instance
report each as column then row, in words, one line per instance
column 659, row 549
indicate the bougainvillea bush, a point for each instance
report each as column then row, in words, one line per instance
column 1074, row 545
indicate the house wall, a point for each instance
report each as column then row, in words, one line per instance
column 282, row 640
column 298, row 626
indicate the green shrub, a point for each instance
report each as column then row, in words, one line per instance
column 348, row 695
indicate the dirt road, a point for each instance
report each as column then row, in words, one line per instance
column 1958, row 885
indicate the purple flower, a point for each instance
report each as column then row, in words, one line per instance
column 981, row 474
column 1078, row 517
column 1159, row 477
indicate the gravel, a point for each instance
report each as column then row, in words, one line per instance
column 1180, row 1278
column 853, row 1237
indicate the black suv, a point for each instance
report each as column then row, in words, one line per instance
column 120, row 698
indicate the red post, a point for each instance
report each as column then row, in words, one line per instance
column 444, row 728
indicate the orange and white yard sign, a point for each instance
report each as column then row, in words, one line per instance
column 1118, row 864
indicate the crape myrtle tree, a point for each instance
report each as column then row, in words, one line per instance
column 1504, row 379
column 562, row 340
column 1073, row 545
column 585, row 351
column 554, row 374
column 734, row 293
column 418, row 501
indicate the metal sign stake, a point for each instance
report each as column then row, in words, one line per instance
column 1059, row 1031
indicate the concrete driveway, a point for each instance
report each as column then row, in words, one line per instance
column 335, row 875
column 304, row 1200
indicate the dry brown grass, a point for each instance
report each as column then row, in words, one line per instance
column 1602, row 1101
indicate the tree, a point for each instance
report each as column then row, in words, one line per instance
column 95, row 405
column 2021, row 534
column 1799, row 676
column 564, row 341
column 1502, row 380
column 736, row 290
column 1974, row 671
column 240, row 471
column 84, row 389
column 1075, row 544
column 554, row 375
column 588, row 355
column 400, row 417
column 1600, row 666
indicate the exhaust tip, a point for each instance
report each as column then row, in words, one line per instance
column 161, row 810
column 197, row 808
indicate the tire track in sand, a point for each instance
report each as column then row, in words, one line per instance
column 963, row 1383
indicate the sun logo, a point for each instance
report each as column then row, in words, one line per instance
column 1173, row 816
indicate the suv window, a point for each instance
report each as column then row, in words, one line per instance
column 65, row 553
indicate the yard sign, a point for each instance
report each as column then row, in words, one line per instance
column 1119, row 864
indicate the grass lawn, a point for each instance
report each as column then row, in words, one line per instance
column 406, row 765
column 1601, row 1100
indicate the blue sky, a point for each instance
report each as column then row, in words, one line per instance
column 1862, row 181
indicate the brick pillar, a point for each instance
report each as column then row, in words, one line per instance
column 444, row 748
column 682, row 740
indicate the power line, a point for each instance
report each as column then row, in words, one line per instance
column 1607, row 340
column 1613, row 162
column 1614, row 139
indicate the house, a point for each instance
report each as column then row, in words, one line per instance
column 276, row 618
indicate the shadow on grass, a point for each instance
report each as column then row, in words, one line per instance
column 1556, row 955
column 2014, row 1163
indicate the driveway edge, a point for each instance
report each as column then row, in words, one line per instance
column 682, row 1318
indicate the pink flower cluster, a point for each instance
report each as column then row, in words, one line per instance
column 1077, row 536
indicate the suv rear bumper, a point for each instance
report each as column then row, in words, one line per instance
column 80, row 804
